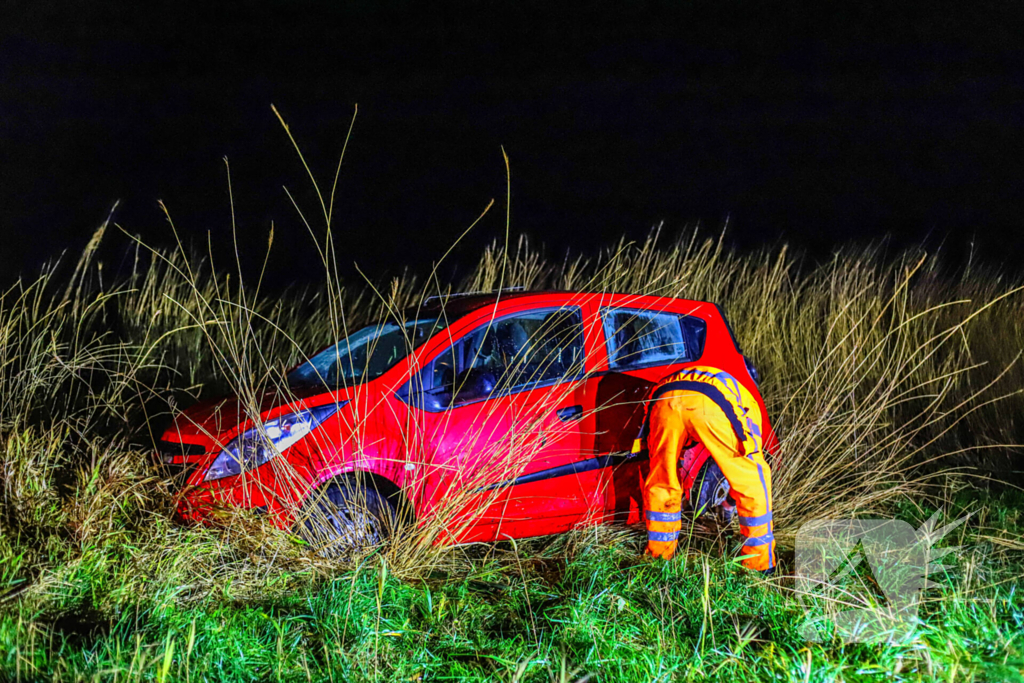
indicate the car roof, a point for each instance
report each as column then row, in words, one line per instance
column 457, row 305
column 460, row 304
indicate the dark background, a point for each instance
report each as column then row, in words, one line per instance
column 815, row 129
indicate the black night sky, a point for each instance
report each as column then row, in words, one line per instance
column 815, row 129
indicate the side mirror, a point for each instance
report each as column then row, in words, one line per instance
column 433, row 400
column 474, row 384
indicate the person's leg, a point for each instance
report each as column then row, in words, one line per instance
column 750, row 480
column 755, row 513
column 663, row 495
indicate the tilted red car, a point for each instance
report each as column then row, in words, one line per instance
column 518, row 409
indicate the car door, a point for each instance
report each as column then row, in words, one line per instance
column 643, row 347
column 499, row 411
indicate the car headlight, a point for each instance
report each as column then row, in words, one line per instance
column 258, row 445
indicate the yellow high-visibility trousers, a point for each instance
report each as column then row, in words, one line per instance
column 676, row 420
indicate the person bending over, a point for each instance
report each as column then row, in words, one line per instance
column 707, row 405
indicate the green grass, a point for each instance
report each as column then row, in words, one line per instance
column 562, row 609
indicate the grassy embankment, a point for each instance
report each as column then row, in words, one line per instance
column 891, row 383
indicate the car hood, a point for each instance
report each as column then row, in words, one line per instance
column 211, row 419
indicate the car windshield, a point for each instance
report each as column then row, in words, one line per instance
column 364, row 355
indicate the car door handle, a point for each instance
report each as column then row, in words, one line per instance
column 569, row 413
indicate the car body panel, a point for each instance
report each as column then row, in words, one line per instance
column 448, row 463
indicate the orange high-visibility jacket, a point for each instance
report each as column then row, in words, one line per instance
column 707, row 405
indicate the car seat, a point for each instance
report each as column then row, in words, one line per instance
column 511, row 341
column 562, row 345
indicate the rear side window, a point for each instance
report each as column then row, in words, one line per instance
column 644, row 338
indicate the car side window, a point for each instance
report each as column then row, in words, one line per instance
column 639, row 338
column 506, row 355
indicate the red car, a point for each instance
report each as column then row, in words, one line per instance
column 504, row 415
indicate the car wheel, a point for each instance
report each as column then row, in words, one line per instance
column 348, row 515
column 710, row 493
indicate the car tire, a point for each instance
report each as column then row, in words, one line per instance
column 710, row 493
column 348, row 515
